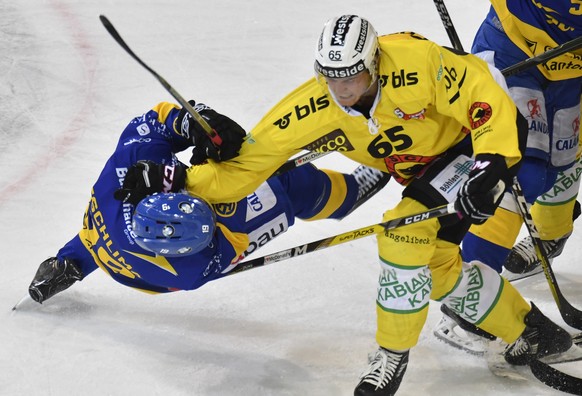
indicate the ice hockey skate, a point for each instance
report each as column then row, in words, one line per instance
column 523, row 260
column 541, row 338
column 52, row 277
column 384, row 374
column 370, row 181
column 460, row 334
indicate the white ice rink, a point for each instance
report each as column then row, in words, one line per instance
column 298, row 327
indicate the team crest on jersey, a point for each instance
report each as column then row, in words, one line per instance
column 404, row 166
column 479, row 114
column 225, row 209
column 336, row 140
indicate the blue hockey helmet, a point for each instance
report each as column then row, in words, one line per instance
column 173, row 224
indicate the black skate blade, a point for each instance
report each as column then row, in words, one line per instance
column 512, row 276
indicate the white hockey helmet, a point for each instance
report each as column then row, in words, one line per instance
column 347, row 46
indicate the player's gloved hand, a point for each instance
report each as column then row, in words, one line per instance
column 481, row 194
column 230, row 132
column 147, row 177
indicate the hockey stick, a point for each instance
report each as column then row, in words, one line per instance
column 300, row 160
column 448, row 24
column 555, row 378
column 571, row 315
column 214, row 137
column 330, row 241
column 543, row 372
column 568, row 46
column 343, row 237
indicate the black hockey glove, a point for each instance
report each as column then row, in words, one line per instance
column 230, row 132
column 481, row 194
column 147, row 177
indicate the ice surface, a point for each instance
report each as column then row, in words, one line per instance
column 299, row 327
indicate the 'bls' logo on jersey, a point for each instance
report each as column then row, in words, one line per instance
column 302, row 111
column 400, row 79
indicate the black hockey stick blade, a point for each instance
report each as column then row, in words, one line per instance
column 343, row 238
column 556, row 379
column 117, row 37
column 214, row 137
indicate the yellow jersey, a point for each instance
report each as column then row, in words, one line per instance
column 429, row 100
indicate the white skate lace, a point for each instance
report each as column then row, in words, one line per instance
column 367, row 178
column 525, row 248
column 382, row 368
column 518, row 348
column 523, row 346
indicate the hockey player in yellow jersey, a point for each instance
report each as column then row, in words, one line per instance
column 404, row 105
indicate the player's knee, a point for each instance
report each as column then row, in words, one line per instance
column 476, row 248
column 475, row 293
column 535, row 178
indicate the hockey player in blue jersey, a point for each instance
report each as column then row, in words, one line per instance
column 548, row 96
column 172, row 241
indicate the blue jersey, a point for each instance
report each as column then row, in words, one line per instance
column 106, row 239
column 534, row 19
column 535, row 26
column 548, row 95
